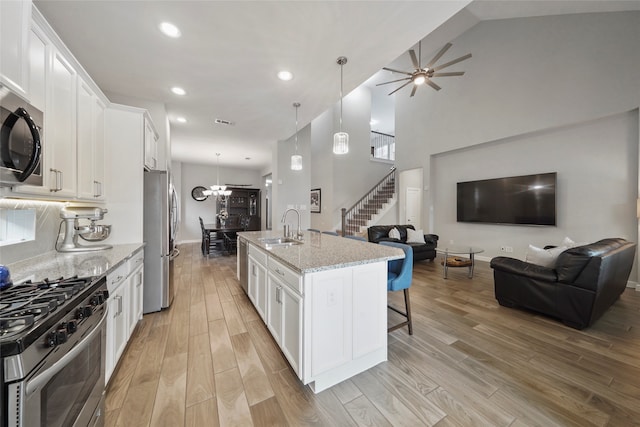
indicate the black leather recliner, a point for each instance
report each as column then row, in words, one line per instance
column 421, row 251
column 584, row 283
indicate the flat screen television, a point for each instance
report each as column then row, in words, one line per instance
column 525, row 200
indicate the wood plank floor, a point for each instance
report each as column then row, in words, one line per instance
column 209, row 360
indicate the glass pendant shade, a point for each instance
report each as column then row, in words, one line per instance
column 296, row 162
column 340, row 143
column 296, row 159
column 341, row 139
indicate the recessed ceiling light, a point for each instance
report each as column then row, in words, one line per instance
column 181, row 119
column 170, row 30
column 285, row 75
column 178, row 90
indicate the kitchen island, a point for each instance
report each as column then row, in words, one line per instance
column 324, row 301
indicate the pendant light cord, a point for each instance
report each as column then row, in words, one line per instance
column 341, row 66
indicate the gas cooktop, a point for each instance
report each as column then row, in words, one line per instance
column 29, row 309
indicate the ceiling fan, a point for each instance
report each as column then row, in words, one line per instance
column 420, row 75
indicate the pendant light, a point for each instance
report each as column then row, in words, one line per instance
column 341, row 139
column 296, row 159
column 219, row 190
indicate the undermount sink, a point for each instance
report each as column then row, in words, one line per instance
column 279, row 241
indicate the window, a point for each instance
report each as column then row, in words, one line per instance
column 383, row 146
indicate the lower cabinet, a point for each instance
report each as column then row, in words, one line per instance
column 257, row 273
column 125, row 285
column 330, row 324
column 284, row 317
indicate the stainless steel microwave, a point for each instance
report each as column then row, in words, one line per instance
column 20, row 141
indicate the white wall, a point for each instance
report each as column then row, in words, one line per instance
column 193, row 175
column 344, row 178
column 529, row 81
column 291, row 188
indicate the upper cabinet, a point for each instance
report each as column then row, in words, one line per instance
column 91, row 139
column 15, row 17
column 73, row 162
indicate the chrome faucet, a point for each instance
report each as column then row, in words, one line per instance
column 298, row 234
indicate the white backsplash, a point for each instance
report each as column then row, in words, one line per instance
column 47, row 226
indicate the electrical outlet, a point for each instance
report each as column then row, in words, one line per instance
column 509, row 249
column 451, row 242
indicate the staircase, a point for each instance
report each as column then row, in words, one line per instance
column 364, row 210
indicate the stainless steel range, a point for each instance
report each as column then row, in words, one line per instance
column 52, row 347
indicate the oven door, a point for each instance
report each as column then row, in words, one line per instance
column 67, row 392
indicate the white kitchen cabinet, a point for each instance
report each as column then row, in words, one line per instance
column 257, row 272
column 38, row 63
column 15, row 17
column 136, row 281
column 125, row 285
column 60, row 128
column 90, row 133
column 150, row 145
column 117, row 322
column 331, row 323
column 284, row 311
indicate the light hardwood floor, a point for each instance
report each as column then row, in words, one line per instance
column 209, row 360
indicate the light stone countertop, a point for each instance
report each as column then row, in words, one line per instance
column 329, row 253
column 54, row 264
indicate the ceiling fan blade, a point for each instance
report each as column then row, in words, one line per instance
column 453, row 73
column 439, row 55
column 394, row 81
column 400, row 87
column 455, row 61
column 414, row 58
column 433, row 85
column 396, row 71
column 413, row 91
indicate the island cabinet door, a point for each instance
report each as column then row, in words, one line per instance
column 257, row 286
column 274, row 308
column 291, row 327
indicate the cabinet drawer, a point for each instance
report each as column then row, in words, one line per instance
column 117, row 276
column 258, row 255
column 135, row 261
column 285, row 274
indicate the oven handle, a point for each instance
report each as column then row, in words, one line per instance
column 45, row 376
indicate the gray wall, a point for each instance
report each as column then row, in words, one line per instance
column 186, row 177
column 557, row 93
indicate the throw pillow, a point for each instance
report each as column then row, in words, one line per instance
column 543, row 257
column 415, row 236
column 569, row 243
column 394, row 233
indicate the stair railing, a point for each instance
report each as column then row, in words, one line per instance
column 361, row 205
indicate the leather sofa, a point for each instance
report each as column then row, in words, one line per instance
column 421, row 251
column 584, row 283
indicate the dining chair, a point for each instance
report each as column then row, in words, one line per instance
column 210, row 241
column 399, row 278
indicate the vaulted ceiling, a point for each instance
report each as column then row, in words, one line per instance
column 230, row 52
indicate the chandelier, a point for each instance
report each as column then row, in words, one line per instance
column 218, row 190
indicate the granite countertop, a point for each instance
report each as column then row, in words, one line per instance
column 323, row 251
column 58, row 264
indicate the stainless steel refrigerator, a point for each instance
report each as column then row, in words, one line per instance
column 159, row 231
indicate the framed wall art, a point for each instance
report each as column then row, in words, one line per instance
column 315, row 200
